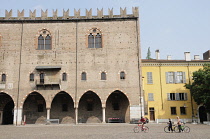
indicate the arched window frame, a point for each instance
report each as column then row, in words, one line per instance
column 103, row 75
column 64, row 76
column 3, row 77
column 122, row 75
column 31, row 77
column 84, row 76
column 94, row 38
column 44, row 40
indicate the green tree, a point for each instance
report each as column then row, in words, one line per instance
column 148, row 54
column 200, row 87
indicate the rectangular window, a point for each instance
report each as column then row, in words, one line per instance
column 175, row 77
column 183, row 110
column 173, row 110
column 172, row 96
column 169, row 77
column 181, row 96
column 149, row 78
column 150, row 97
column 179, row 77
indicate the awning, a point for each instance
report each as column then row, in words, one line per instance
column 48, row 67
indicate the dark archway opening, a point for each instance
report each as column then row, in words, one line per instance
column 7, row 107
column 202, row 114
column 117, row 106
column 62, row 108
column 34, row 109
column 90, row 108
column 8, row 113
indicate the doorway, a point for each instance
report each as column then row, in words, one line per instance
column 202, row 114
column 152, row 113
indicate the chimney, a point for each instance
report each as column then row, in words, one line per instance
column 168, row 57
column 187, row 56
column 206, row 55
column 157, row 54
column 196, row 57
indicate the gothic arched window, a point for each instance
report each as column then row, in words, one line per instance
column 94, row 38
column 44, row 40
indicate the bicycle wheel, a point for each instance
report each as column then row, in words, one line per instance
column 136, row 129
column 176, row 129
column 186, row 129
column 146, row 129
column 166, row 129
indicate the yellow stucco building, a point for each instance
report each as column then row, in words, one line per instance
column 164, row 93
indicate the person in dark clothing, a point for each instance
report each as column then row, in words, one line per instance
column 170, row 125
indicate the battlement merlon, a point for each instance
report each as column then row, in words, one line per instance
column 89, row 15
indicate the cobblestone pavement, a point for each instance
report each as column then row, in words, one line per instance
column 99, row 131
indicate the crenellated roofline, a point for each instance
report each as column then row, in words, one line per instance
column 66, row 16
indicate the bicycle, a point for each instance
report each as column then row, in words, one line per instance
column 166, row 129
column 138, row 128
column 184, row 128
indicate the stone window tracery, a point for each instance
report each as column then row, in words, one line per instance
column 44, row 40
column 94, row 38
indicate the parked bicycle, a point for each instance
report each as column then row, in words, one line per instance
column 174, row 127
column 184, row 128
column 139, row 127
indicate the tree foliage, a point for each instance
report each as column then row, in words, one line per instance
column 200, row 87
column 148, row 54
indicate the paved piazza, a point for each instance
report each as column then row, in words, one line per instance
column 99, row 131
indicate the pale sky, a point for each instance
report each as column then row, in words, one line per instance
column 172, row 26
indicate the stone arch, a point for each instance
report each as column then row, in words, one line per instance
column 117, row 106
column 34, row 108
column 202, row 114
column 6, row 108
column 26, row 96
column 62, row 108
column 90, row 108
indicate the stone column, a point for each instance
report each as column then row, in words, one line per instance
column 48, row 113
column 104, row 115
column 18, row 116
column 76, row 115
column 1, row 117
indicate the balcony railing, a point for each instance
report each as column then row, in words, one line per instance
column 48, row 83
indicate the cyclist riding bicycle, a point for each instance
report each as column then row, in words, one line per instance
column 142, row 121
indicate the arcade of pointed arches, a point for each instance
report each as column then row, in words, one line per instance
column 91, row 108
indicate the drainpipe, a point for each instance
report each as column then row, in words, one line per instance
column 17, row 104
column 76, row 107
